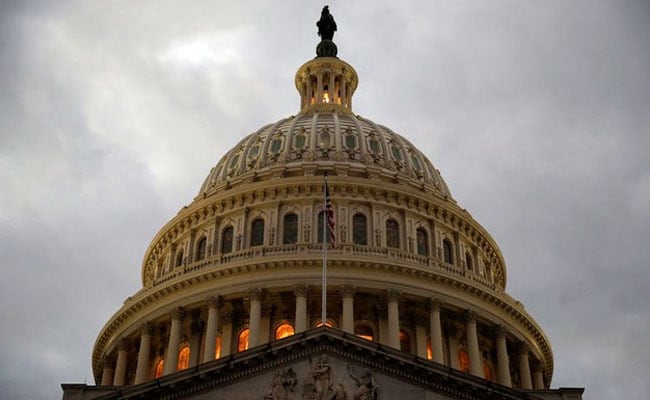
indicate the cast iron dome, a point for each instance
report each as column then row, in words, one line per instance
column 236, row 242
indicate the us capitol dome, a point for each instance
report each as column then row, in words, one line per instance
column 236, row 277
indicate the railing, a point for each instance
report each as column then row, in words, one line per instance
column 314, row 251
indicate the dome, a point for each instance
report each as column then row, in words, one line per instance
column 323, row 210
column 335, row 142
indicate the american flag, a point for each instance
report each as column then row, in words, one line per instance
column 329, row 211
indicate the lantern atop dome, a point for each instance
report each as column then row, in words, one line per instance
column 326, row 83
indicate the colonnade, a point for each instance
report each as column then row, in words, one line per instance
column 388, row 324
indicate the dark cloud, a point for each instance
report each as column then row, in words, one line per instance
column 111, row 115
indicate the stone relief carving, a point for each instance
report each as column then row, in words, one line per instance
column 283, row 385
column 366, row 385
column 320, row 383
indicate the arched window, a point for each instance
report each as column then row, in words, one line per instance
column 447, row 251
column 404, row 341
column 290, row 233
column 283, row 331
column 320, row 229
column 364, row 332
column 422, row 242
column 330, row 323
column 360, row 229
column 226, row 240
column 392, row 234
column 469, row 261
column 159, row 368
column 463, row 360
column 242, row 340
column 179, row 258
column 217, row 347
column 257, row 232
column 183, row 358
column 429, row 349
column 201, row 248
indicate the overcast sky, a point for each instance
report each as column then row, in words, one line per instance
column 536, row 113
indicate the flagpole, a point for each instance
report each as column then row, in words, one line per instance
column 324, row 282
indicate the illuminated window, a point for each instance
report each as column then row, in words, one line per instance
column 226, row 240
column 159, row 368
column 364, row 332
column 463, row 360
column 487, row 370
column 404, row 341
column 179, row 258
column 447, row 251
column 328, row 323
column 257, row 232
column 217, row 348
column 360, row 229
column 422, row 242
column 283, row 331
column 429, row 349
column 183, row 358
column 242, row 340
column 290, row 234
column 201, row 248
column 392, row 234
column 469, row 261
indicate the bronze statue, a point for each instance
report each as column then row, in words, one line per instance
column 326, row 24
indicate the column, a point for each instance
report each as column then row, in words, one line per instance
column 319, row 88
column 226, row 330
column 265, row 324
column 436, row 330
column 503, row 361
column 308, row 95
column 211, row 327
column 332, row 88
column 108, row 371
column 301, row 292
column 347, row 293
column 392, row 297
column 420, row 334
column 142, row 371
column 171, row 360
column 475, row 361
column 254, row 316
column 452, row 343
column 538, row 378
column 120, row 365
column 344, row 95
column 196, row 328
column 524, row 368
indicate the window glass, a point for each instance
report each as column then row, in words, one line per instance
column 422, row 242
column 447, row 251
column 364, row 331
column 226, row 240
column 201, row 249
column 183, row 358
column 290, row 234
column 242, row 340
column 320, row 229
column 179, row 258
column 159, row 369
column 257, row 232
column 217, row 347
column 392, row 233
column 404, row 341
column 360, row 229
column 284, row 330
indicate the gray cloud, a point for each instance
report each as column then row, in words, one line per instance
column 112, row 114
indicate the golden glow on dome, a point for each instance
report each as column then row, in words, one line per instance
column 183, row 358
column 242, row 340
